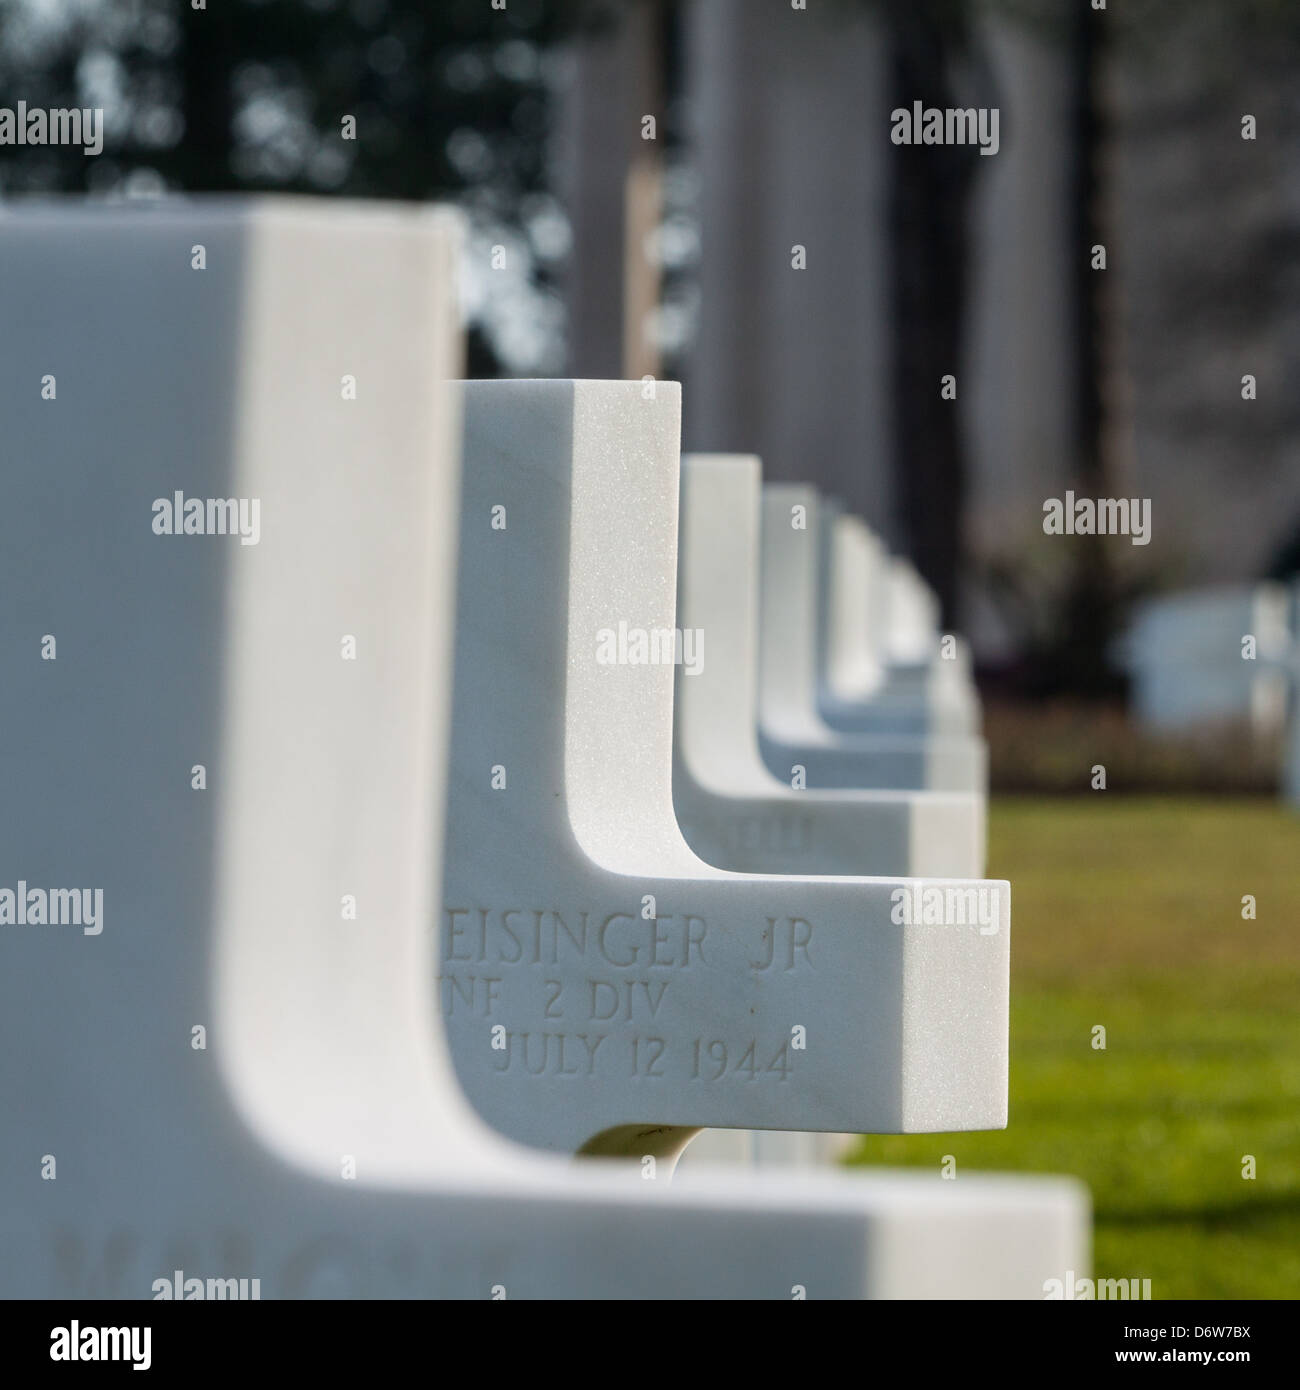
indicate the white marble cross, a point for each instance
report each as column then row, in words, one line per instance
column 865, row 687
column 795, row 739
column 605, row 989
column 732, row 810
column 238, row 1069
column 238, row 748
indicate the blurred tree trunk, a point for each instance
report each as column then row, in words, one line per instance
column 207, row 103
column 1092, row 612
column 929, row 213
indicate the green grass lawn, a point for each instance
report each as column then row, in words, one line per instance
column 1127, row 913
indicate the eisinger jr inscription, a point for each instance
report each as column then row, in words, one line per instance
column 591, row 986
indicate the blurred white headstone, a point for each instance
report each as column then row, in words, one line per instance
column 1191, row 665
column 793, row 733
column 863, row 689
column 733, row 811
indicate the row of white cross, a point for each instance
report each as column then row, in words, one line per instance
column 391, row 859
